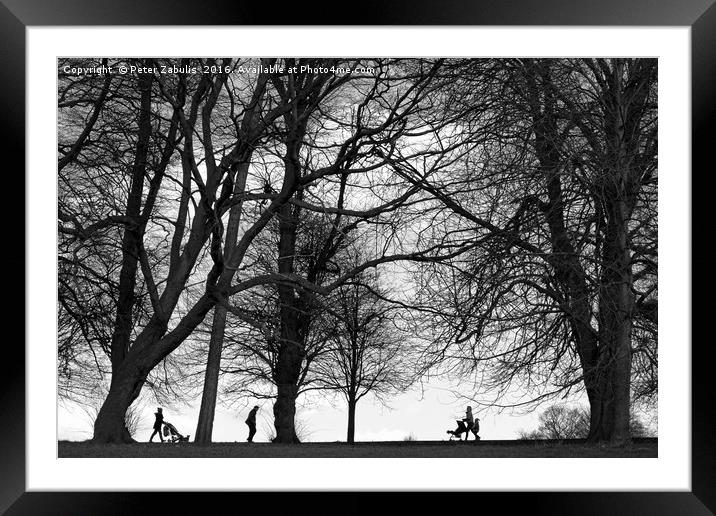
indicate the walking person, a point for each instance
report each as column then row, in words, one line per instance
column 158, row 421
column 251, row 421
column 469, row 422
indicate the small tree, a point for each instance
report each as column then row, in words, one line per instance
column 366, row 352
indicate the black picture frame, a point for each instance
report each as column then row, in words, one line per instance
column 17, row 15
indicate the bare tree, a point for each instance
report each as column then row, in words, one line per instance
column 203, row 197
column 563, row 422
column 366, row 353
column 553, row 198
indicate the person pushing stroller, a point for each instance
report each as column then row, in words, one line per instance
column 466, row 425
column 165, row 429
column 469, row 421
column 158, row 421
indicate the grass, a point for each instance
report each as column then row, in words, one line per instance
column 416, row 449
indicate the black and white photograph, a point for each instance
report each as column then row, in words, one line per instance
column 359, row 257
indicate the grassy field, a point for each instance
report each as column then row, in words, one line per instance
column 417, row 449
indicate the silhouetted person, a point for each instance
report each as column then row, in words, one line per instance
column 251, row 421
column 469, row 422
column 158, row 420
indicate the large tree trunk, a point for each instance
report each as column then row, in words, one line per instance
column 110, row 424
column 284, row 411
column 615, row 325
column 288, row 371
column 596, row 414
column 610, row 405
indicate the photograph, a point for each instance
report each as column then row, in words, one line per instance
column 276, row 259
column 357, row 257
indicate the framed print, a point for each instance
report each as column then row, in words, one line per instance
column 345, row 215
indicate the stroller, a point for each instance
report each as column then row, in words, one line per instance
column 172, row 433
column 462, row 429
